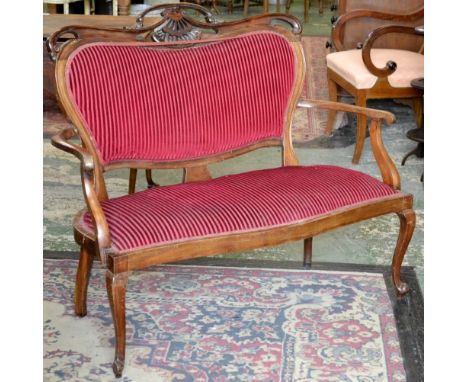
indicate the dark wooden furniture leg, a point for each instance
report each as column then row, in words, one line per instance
column 116, row 288
column 52, row 8
column 124, row 7
column 82, row 277
column 308, row 253
column 246, row 8
column 132, row 180
column 416, row 135
column 149, row 179
column 407, row 225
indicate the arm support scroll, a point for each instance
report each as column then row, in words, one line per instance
column 338, row 28
column 387, row 168
column 61, row 141
column 391, row 66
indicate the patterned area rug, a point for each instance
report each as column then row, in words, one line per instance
column 192, row 323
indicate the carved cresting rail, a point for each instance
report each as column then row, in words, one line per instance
column 175, row 25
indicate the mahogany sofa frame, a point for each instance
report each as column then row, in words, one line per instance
column 98, row 244
column 382, row 88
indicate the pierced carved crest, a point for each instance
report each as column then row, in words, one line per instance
column 176, row 25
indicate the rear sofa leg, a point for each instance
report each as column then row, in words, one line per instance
column 82, row 277
column 308, row 253
column 407, row 225
column 116, row 287
column 149, row 179
column 132, row 180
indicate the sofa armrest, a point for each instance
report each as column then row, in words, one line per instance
column 386, row 166
column 62, row 142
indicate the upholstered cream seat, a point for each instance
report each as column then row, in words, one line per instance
column 350, row 66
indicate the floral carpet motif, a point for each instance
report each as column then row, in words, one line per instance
column 190, row 323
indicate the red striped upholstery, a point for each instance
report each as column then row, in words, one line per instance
column 166, row 104
column 235, row 203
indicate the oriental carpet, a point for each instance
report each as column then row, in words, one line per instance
column 218, row 323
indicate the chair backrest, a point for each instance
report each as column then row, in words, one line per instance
column 182, row 101
column 357, row 29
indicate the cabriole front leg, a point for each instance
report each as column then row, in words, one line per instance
column 116, row 288
column 407, row 225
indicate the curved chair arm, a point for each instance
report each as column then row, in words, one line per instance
column 61, row 141
column 387, row 168
column 339, row 25
column 391, row 66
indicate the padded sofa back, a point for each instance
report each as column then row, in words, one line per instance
column 182, row 101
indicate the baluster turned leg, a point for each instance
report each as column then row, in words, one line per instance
column 308, row 253
column 82, row 277
column 116, row 288
column 407, row 225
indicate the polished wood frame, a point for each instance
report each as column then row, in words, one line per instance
column 382, row 88
column 98, row 244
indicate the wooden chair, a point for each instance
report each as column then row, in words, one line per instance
column 377, row 63
column 188, row 103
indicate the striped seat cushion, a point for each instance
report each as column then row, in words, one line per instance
column 234, row 203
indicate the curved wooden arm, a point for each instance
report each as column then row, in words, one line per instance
column 338, row 106
column 391, row 66
column 97, row 214
column 61, row 141
column 339, row 25
column 387, row 168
